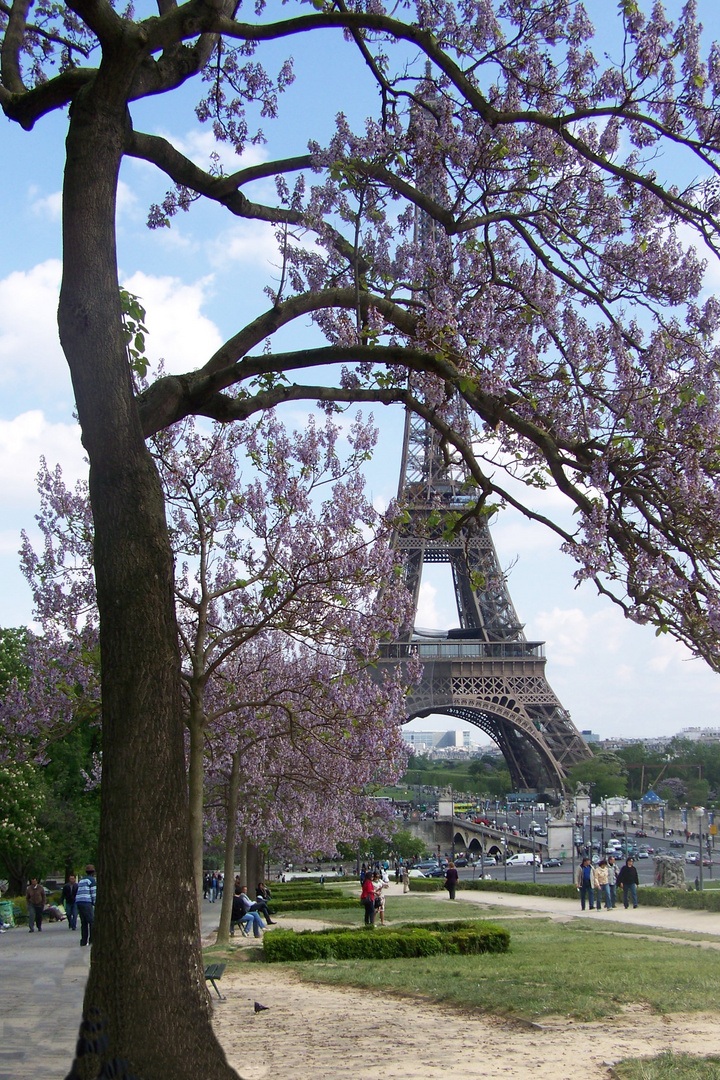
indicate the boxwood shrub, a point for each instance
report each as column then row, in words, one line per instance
column 319, row 903
column 383, row 943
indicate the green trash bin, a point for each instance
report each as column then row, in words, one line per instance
column 6, row 912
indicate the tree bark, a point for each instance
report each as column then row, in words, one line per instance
column 254, row 867
column 230, row 842
column 147, row 976
column 196, row 772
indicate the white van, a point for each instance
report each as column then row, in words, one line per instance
column 524, row 858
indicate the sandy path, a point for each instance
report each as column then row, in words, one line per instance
column 329, row 1032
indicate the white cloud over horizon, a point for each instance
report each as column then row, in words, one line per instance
column 178, row 331
column 23, row 440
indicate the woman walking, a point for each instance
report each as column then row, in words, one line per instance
column 451, row 879
column 367, row 899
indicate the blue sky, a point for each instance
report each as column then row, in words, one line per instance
column 199, row 282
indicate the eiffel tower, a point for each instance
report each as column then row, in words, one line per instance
column 485, row 672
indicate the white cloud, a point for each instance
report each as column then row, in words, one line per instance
column 178, row 331
column 126, row 200
column 30, row 352
column 574, row 638
column 625, row 675
column 22, row 442
column 48, row 205
column 198, row 145
column 427, row 614
column 515, row 535
column 246, row 242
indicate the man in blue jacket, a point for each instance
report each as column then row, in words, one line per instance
column 85, row 900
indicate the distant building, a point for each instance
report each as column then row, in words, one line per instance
column 696, row 734
column 590, row 737
column 423, row 742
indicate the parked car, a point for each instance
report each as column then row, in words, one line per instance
column 639, row 832
column 415, row 873
column 548, row 864
column 461, row 862
column 677, row 843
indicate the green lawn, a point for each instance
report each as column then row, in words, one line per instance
column 551, row 969
column 401, row 909
column 669, row 1066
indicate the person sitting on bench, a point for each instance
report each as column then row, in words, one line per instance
column 259, row 905
column 245, row 918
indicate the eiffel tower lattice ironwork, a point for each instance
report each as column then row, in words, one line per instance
column 486, row 672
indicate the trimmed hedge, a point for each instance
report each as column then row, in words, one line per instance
column 319, row 903
column 379, row 943
column 649, row 895
column 305, row 894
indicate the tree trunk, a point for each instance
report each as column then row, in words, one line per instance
column 254, row 867
column 196, row 771
column 230, row 839
column 243, row 860
column 146, row 978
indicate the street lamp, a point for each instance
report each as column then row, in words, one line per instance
column 700, row 811
column 625, row 818
column 533, row 827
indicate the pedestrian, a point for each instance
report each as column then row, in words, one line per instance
column 451, row 879
column 35, row 896
column 367, row 899
column 85, row 899
column 69, row 892
column 612, row 879
column 628, row 878
column 406, row 878
column 206, row 885
column 601, row 886
column 585, row 882
column 379, row 886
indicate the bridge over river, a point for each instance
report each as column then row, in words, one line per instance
column 471, row 837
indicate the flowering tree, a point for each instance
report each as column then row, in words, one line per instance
column 22, row 837
column 272, row 557
column 278, row 558
column 546, row 287
column 293, row 768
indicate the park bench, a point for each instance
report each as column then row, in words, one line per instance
column 213, row 972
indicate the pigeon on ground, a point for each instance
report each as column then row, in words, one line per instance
column 261, row 1008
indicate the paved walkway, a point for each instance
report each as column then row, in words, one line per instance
column 43, row 975
column 42, row 981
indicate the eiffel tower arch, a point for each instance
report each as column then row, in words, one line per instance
column 485, row 672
